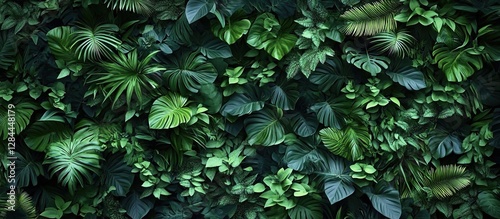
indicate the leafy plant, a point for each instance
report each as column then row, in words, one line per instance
column 349, row 142
column 94, row 42
column 370, row 18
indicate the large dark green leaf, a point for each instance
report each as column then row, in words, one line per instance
column 8, row 49
column 328, row 115
column 215, row 48
column 304, row 125
column 495, row 128
column 307, row 208
column 285, row 95
column 20, row 115
column 136, row 207
column 196, row 9
column 302, row 155
column 169, row 111
column 330, row 74
column 210, row 97
column 385, row 199
column 40, row 134
column 27, row 170
column 265, row 128
column 118, row 174
column 408, row 77
column 338, row 183
column 442, row 143
column 241, row 104
column 489, row 203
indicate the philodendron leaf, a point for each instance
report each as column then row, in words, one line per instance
column 385, row 199
column 442, row 143
column 304, row 125
column 307, row 208
column 338, row 183
column 233, row 30
column 366, row 61
column 169, row 111
column 215, row 49
column 302, row 155
column 118, row 174
column 457, row 64
column 241, row 104
column 285, row 95
column 196, row 9
column 408, row 77
column 489, row 203
column 265, row 128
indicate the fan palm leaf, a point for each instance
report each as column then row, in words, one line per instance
column 126, row 74
column 370, row 18
column 445, row 180
column 93, row 42
column 136, row 6
column 396, row 43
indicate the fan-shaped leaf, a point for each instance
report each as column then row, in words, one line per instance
column 169, row 111
column 189, row 72
column 21, row 113
column 94, row 42
column 60, row 39
column 370, row 18
column 136, row 6
column 445, row 180
column 349, row 142
column 398, row 43
column 264, row 128
column 8, row 49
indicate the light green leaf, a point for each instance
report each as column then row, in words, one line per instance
column 169, row 111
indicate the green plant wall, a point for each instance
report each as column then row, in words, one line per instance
column 302, row 109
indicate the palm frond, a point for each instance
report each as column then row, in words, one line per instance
column 126, row 74
column 397, row 43
column 92, row 42
column 136, row 6
column 370, row 18
column 445, row 180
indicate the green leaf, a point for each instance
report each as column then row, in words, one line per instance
column 385, row 200
column 233, row 30
column 215, row 49
column 349, row 142
column 330, row 74
column 8, row 49
column 446, row 180
column 280, row 46
column 408, row 77
column 213, row 162
column 489, row 203
column 442, row 143
column 304, row 125
column 302, row 155
column 241, row 104
column 196, row 9
column 264, row 128
column 285, row 95
column 186, row 74
column 136, row 207
column 93, row 42
column 169, row 111
column 28, row 168
column 370, row 63
column 328, row 115
column 118, row 174
column 370, row 18
column 40, row 134
column 210, row 97
column 21, row 113
column 338, row 183
column 306, row 208
column 457, row 64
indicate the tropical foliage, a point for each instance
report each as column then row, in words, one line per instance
column 302, row 109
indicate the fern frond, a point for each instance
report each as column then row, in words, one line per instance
column 445, row 180
column 26, row 204
column 370, row 18
column 136, row 6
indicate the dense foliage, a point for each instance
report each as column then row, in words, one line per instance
column 251, row 108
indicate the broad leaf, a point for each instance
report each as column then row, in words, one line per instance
column 385, row 200
column 233, row 30
column 306, row 208
column 304, row 125
column 8, row 49
column 408, row 77
column 328, row 115
column 241, row 104
column 215, row 49
column 338, row 183
column 27, row 170
column 302, row 155
column 489, row 203
column 442, row 143
column 19, row 116
column 118, row 174
column 196, row 9
column 285, row 95
column 40, row 134
column 457, row 64
column 169, row 111
column 59, row 40
column 265, row 128
column 373, row 64
column 330, row 74
column 136, row 207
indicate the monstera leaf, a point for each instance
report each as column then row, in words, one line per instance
column 233, row 30
column 169, row 111
column 189, row 72
column 385, row 199
column 366, row 61
column 489, row 203
column 408, row 77
column 268, row 34
column 265, row 128
column 457, row 64
column 328, row 114
column 349, row 142
column 60, row 40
